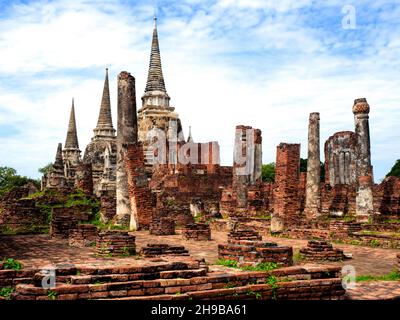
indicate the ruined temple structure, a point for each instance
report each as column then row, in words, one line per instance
column 102, row 150
column 146, row 174
column 247, row 195
column 156, row 117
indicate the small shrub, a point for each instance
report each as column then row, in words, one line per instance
column 10, row 263
column 273, row 282
column 52, row 295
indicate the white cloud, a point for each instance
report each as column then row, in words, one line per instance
column 258, row 63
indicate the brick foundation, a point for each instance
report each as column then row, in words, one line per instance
column 158, row 249
column 245, row 246
column 115, row 242
column 321, row 251
column 248, row 234
column 84, row 235
column 342, row 229
column 307, row 233
column 162, row 226
column 198, row 232
column 63, row 222
column 182, row 280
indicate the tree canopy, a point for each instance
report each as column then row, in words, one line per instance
column 268, row 172
column 395, row 171
column 10, row 179
column 46, row 168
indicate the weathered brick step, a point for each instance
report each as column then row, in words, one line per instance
column 125, row 269
column 170, row 274
column 313, row 289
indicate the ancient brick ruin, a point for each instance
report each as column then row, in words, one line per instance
column 247, row 247
column 321, row 251
column 197, row 231
column 146, row 181
column 115, row 242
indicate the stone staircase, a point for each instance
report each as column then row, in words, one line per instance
column 184, row 279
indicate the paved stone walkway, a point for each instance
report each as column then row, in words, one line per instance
column 40, row 250
column 375, row 290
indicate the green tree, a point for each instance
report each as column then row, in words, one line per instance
column 268, row 172
column 395, row 171
column 46, row 168
column 10, row 179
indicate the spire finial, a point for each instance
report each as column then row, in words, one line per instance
column 104, row 122
column 155, row 79
column 72, row 136
column 190, row 138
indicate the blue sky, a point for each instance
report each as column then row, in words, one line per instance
column 262, row 63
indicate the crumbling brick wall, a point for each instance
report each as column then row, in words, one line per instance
column 83, row 178
column 178, row 187
column 197, row 231
column 141, row 198
column 115, row 242
column 387, row 197
column 20, row 214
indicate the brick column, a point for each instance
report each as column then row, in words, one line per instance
column 364, row 198
column 286, row 200
column 313, row 188
column 141, row 200
column 127, row 133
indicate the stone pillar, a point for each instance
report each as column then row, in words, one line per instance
column 126, row 134
column 364, row 198
column 247, row 161
column 286, row 198
column 257, row 172
column 313, row 188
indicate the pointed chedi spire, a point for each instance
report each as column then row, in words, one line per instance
column 190, row 138
column 104, row 126
column 59, row 163
column 72, row 137
column 155, row 79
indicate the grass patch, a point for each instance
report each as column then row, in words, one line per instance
column 297, row 257
column 6, row 292
column 392, row 276
column 230, row 285
column 262, row 266
column 227, row 263
column 11, row 264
